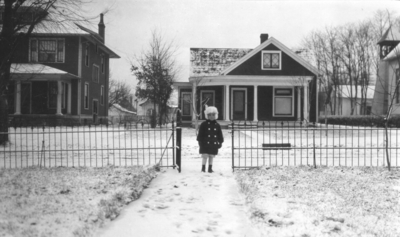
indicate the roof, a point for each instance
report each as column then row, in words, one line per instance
column 390, row 35
column 34, row 69
column 345, row 91
column 122, row 109
column 281, row 47
column 212, row 61
column 51, row 28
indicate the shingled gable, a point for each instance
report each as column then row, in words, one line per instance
column 279, row 45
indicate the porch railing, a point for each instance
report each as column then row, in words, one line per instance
column 265, row 143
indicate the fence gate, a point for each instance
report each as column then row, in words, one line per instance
column 271, row 143
column 92, row 145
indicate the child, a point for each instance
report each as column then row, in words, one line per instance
column 210, row 138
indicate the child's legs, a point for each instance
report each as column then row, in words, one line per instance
column 210, row 159
column 204, row 156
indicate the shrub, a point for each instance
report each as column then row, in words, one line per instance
column 361, row 120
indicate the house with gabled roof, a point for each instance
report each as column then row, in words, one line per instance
column 61, row 75
column 387, row 88
column 267, row 83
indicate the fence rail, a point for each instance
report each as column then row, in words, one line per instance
column 91, row 145
column 296, row 143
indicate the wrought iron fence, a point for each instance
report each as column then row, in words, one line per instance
column 265, row 143
column 89, row 145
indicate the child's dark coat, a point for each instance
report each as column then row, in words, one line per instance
column 210, row 137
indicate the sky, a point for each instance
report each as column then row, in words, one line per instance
column 218, row 24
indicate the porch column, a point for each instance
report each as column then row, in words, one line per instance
column 18, row 99
column 226, row 103
column 305, row 112
column 255, row 119
column 69, row 99
column 59, row 94
column 298, row 103
column 194, row 101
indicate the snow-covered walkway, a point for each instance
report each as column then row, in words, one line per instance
column 189, row 203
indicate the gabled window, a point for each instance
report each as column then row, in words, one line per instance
column 47, row 50
column 95, row 73
column 102, row 95
column 86, row 96
column 271, row 60
column 87, row 55
column 283, row 102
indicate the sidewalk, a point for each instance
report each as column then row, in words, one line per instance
column 187, row 204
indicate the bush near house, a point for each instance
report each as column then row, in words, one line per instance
column 361, row 120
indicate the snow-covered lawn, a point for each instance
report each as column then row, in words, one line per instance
column 333, row 201
column 277, row 201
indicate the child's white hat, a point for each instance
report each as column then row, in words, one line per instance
column 211, row 110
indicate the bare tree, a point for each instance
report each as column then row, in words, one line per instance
column 156, row 70
column 19, row 19
column 119, row 92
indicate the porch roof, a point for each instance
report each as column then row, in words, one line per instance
column 251, row 80
column 20, row 71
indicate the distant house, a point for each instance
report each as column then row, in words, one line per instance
column 347, row 94
column 118, row 114
column 387, row 89
column 61, row 75
column 146, row 108
column 267, row 83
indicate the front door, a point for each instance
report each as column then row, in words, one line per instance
column 239, row 104
column 207, row 98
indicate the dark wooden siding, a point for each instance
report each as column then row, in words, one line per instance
column 219, row 99
column 290, row 67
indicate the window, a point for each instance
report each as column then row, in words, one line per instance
column 86, row 96
column 95, row 73
column 283, row 102
column 102, row 95
column 52, row 97
column 87, row 55
column 271, row 60
column 397, row 86
column 186, row 103
column 47, row 50
column 102, row 64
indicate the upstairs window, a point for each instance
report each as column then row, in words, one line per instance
column 397, row 86
column 87, row 55
column 47, row 50
column 102, row 64
column 95, row 73
column 271, row 60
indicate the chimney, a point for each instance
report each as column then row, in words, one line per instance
column 102, row 27
column 263, row 38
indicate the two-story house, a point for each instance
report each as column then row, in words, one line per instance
column 61, row 75
column 267, row 83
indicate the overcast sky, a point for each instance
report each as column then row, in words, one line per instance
column 219, row 24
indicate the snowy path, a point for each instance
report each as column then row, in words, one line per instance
column 189, row 203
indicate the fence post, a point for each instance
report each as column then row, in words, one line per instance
column 314, row 158
column 178, row 148
column 233, row 153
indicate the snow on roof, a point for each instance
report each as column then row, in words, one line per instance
column 36, row 68
column 212, row 61
column 120, row 108
column 346, row 91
